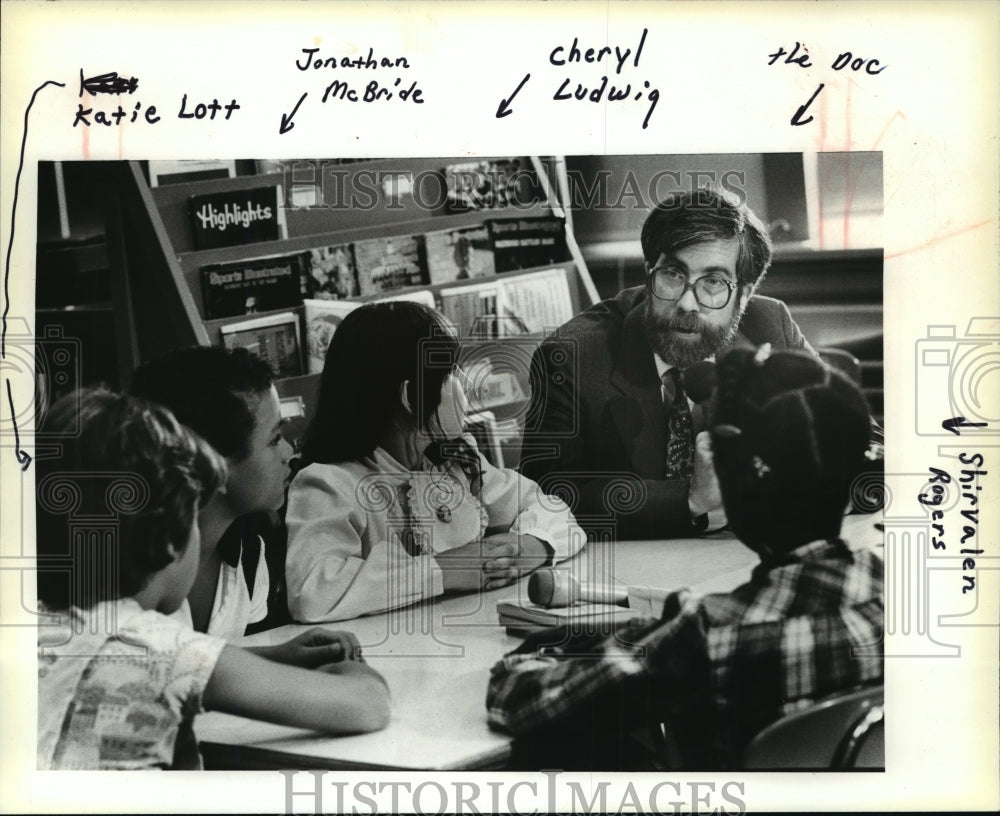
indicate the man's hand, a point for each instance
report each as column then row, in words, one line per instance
column 316, row 647
column 703, row 495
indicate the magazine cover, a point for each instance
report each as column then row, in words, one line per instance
column 525, row 243
column 235, row 217
column 389, row 263
column 180, row 172
column 540, row 300
column 247, row 287
column 274, row 338
column 489, row 383
column 525, row 304
column 322, row 317
column 488, row 185
column 332, row 273
column 459, row 254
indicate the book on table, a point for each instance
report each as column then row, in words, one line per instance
column 524, row 618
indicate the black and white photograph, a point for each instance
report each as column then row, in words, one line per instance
column 641, row 461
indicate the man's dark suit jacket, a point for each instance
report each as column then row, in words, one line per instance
column 596, row 430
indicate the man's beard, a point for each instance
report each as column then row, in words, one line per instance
column 683, row 353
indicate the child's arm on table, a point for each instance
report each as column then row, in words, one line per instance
column 312, row 648
column 491, row 562
column 536, row 529
column 345, row 697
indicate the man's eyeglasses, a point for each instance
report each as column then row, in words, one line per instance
column 711, row 291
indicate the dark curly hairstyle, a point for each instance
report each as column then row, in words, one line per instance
column 708, row 214
column 789, row 436
column 122, row 492
column 208, row 389
column 376, row 348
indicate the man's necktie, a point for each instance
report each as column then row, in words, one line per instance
column 680, row 443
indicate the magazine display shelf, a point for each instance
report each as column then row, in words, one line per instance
column 158, row 266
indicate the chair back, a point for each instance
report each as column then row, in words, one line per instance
column 840, row 732
column 842, row 361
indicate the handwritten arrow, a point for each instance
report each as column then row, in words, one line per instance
column 286, row 119
column 797, row 119
column 23, row 457
column 503, row 109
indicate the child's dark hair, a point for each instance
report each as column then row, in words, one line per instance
column 374, row 350
column 789, row 436
column 121, row 493
column 206, row 388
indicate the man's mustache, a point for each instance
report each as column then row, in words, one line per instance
column 686, row 322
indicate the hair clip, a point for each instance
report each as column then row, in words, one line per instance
column 762, row 354
column 760, row 466
column 727, row 431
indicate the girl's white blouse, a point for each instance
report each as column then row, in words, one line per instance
column 362, row 535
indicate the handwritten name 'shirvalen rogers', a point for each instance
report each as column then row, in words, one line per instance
column 970, row 489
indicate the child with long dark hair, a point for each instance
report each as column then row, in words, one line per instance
column 395, row 503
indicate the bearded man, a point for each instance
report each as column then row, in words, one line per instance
column 610, row 427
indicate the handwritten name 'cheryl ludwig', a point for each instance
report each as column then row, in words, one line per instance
column 968, row 483
column 602, row 91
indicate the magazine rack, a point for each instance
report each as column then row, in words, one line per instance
column 156, row 263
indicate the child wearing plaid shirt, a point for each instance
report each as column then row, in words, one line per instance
column 788, row 437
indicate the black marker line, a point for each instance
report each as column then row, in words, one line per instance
column 108, row 84
column 797, row 118
column 504, row 108
column 286, row 120
column 23, row 457
column 13, row 215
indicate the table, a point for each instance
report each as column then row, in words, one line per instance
column 436, row 658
